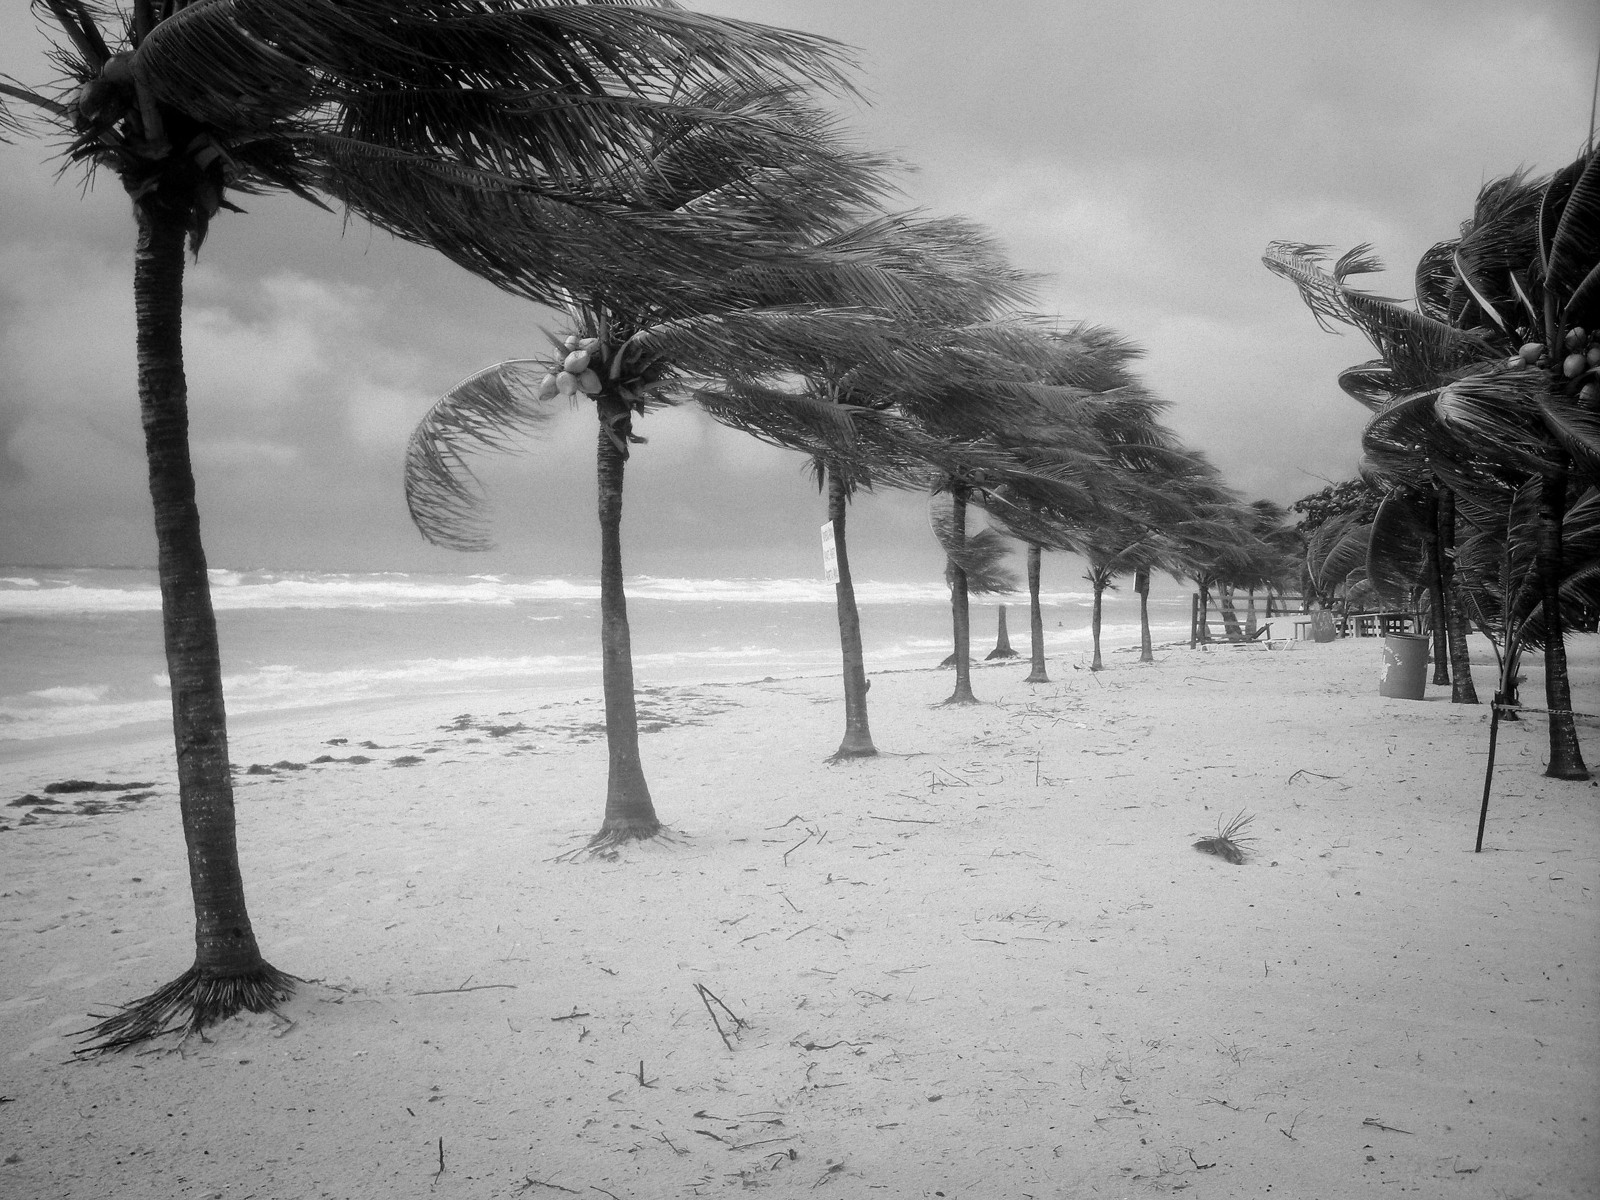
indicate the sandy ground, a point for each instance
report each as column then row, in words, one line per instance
column 986, row 964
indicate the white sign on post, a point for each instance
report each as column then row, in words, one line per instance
column 830, row 555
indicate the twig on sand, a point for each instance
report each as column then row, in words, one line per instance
column 1317, row 775
column 1377, row 1124
column 827, row 1175
column 440, row 1171
column 572, row 1016
column 797, row 846
column 477, row 987
column 950, row 779
column 706, row 997
column 528, row 1181
column 902, row 820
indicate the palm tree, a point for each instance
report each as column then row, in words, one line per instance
column 786, row 189
column 428, row 119
column 950, row 275
column 1487, row 379
column 1141, row 477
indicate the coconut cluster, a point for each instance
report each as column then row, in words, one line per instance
column 577, row 373
column 1580, row 360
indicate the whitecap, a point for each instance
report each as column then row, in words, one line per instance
column 73, row 695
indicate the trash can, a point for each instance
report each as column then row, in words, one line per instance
column 1405, row 666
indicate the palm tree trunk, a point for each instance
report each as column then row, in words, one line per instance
column 1462, row 690
column 1566, row 760
column 857, row 735
column 229, row 974
column 1203, row 604
column 629, row 813
column 1094, row 624
column 1230, row 618
column 1141, row 584
column 1433, row 576
column 1002, row 640
column 960, row 624
column 1035, row 617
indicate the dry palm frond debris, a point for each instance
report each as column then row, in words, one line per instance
column 1230, row 840
column 707, row 997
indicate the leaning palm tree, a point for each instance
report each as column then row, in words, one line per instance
column 648, row 337
column 1136, row 468
column 950, row 275
column 470, row 126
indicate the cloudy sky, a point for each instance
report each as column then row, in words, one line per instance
column 1140, row 154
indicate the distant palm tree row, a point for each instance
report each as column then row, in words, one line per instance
column 1480, row 485
column 888, row 347
column 667, row 179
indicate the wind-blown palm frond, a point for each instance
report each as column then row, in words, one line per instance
column 1395, row 550
column 1371, row 383
column 477, row 127
column 1572, row 250
column 1337, row 550
column 1417, row 348
column 486, row 411
column 979, row 553
column 1496, row 242
column 1505, row 409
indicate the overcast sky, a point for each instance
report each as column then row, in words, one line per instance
column 1140, row 155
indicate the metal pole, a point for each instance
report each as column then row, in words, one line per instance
column 1488, row 773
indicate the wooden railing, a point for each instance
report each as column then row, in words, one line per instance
column 1252, row 617
column 1247, row 616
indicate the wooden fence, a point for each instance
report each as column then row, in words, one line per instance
column 1231, row 616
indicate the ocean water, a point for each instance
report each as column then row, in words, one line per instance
column 80, row 648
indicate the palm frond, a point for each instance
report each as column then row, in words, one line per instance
column 1417, row 348
column 1395, row 546
column 980, row 553
column 1574, row 247
column 1336, row 550
column 489, row 410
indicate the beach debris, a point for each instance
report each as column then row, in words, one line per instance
column 69, row 786
column 528, row 1181
column 707, row 996
column 1377, row 1124
column 477, row 987
column 1230, row 841
column 810, row 833
column 90, row 803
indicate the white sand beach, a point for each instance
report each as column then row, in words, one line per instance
column 987, row 963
